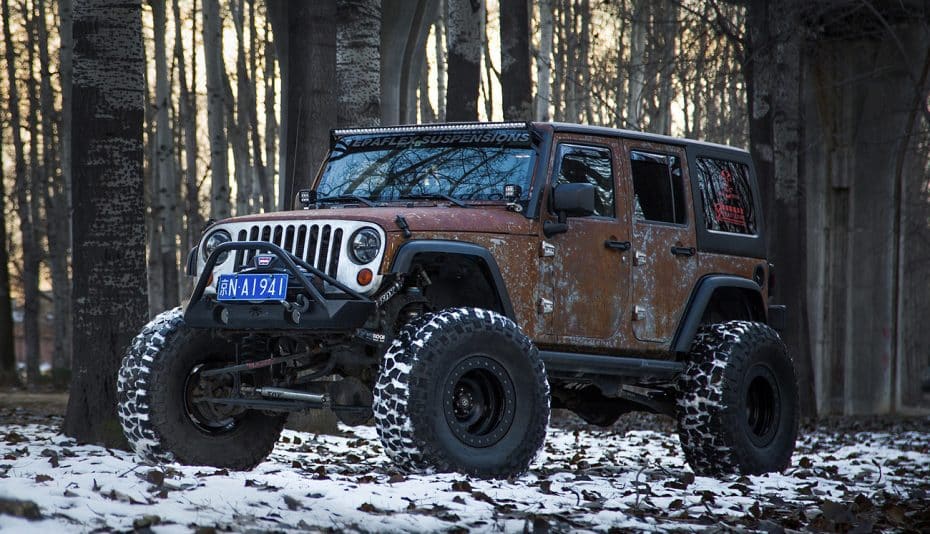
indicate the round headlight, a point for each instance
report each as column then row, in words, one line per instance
column 364, row 245
column 214, row 240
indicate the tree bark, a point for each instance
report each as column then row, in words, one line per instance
column 544, row 61
column 60, row 235
column 188, row 122
column 237, row 116
column 771, row 74
column 634, row 103
column 216, row 109
column 8, row 374
column 516, row 83
column 165, row 190
column 109, row 230
column 265, row 190
column 358, row 62
column 271, row 118
column 305, row 39
column 27, row 197
column 463, row 30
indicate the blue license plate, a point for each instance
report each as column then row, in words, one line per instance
column 251, row 287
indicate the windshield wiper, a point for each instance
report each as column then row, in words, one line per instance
column 342, row 198
column 435, row 196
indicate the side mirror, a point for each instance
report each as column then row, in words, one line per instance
column 574, row 200
column 569, row 200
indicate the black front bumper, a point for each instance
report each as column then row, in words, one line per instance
column 306, row 307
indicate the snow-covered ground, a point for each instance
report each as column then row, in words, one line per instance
column 586, row 480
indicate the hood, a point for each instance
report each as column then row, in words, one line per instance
column 479, row 218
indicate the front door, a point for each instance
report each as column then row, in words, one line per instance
column 586, row 277
column 664, row 259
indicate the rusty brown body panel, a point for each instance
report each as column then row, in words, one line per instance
column 420, row 216
column 603, row 300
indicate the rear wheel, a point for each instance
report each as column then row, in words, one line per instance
column 738, row 401
column 462, row 390
column 163, row 387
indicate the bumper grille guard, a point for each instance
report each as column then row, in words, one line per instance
column 343, row 312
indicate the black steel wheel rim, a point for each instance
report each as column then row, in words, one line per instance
column 209, row 417
column 478, row 401
column 763, row 405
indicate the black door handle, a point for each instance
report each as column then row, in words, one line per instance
column 683, row 251
column 618, row 245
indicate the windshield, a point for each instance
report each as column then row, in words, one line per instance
column 463, row 165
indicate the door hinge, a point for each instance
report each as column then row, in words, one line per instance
column 639, row 258
column 639, row 313
column 546, row 249
column 545, row 306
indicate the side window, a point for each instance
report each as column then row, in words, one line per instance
column 658, row 193
column 726, row 196
column 591, row 165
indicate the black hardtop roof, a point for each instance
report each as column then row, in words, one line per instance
column 565, row 127
column 561, row 127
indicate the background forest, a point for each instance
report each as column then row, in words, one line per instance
column 831, row 97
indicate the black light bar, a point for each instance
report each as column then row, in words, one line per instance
column 441, row 127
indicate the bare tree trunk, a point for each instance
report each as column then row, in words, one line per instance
column 264, row 186
column 487, row 83
column 544, row 61
column 63, row 194
column 216, row 109
column 463, row 29
column 358, row 62
column 271, row 120
column 8, row 374
column 56, row 209
column 426, row 108
column 166, row 182
column 634, row 105
column 305, row 39
column 156, row 278
column 440, row 33
column 188, row 119
column 516, row 83
column 237, row 115
column 29, row 196
column 109, row 230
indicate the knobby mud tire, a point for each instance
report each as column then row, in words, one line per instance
column 738, row 401
column 432, row 357
column 150, row 389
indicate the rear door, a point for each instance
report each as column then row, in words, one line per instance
column 665, row 265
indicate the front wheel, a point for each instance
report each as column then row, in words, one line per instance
column 462, row 390
column 738, row 401
column 162, row 390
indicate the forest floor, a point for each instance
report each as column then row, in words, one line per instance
column 848, row 474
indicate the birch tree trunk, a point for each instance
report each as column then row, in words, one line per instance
column 216, row 109
column 264, row 186
column 463, row 30
column 271, row 118
column 634, row 103
column 237, row 115
column 188, row 123
column 109, row 231
column 358, row 62
column 516, row 83
column 544, row 61
column 439, row 30
column 165, row 179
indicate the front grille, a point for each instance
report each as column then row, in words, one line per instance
column 317, row 244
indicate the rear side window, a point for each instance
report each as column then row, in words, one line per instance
column 726, row 196
column 589, row 165
column 657, row 190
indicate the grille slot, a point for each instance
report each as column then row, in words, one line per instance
column 319, row 245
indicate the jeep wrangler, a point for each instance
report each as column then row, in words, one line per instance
column 455, row 282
